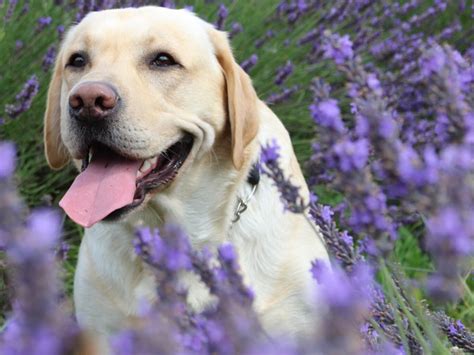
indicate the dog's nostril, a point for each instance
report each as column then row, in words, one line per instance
column 76, row 102
column 105, row 102
column 99, row 102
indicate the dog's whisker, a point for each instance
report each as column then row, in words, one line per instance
column 213, row 156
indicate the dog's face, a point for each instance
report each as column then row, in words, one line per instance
column 153, row 88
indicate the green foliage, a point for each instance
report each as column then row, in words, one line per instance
column 413, row 261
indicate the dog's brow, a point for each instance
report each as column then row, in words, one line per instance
column 86, row 40
column 149, row 40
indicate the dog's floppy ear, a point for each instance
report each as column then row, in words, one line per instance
column 241, row 98
column 55, row 150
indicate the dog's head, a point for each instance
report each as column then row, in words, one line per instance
column 140, row 95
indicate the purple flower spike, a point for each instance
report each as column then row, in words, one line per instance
column 289, row 193
column 270, row 153
column 326, row 213
column 249, row 63
column 348, row 298
column 19, row 45
column 281, row 96
column 351, row 155
column 235, row 29
column 433, row 61
column 43, row 22
column 49, row 57
column 167, row 3
column 283, row 73
column 24, row 98
column 62, row 252
column 10, row 10
column 60, row 29
column 338, row 48
column 227, row 252
column 328, row 115
column 37, row 323
column 7, row 159
column 222, row 15
column 172, row 253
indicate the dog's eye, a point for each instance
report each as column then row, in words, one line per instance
column 163, row 60
column 77, row 60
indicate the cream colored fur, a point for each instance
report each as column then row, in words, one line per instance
column 275, row 248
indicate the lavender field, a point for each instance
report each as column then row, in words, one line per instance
column 378, row 97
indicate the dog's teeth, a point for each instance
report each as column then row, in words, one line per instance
column 145, row 166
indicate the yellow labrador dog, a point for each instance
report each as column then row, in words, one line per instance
column 167, row 128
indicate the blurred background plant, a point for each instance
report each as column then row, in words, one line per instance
column 378, row 97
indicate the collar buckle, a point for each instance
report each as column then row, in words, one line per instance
column 242, row 205
column 253, row 179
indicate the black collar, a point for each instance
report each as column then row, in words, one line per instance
column 254, row 175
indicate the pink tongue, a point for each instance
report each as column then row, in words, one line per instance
column 107, row 184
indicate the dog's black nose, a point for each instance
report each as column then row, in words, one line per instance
column 93, row 101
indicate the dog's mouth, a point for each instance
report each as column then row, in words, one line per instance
column 111, row 184
column 158, row 172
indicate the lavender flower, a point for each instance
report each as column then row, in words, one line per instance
column 338, row 48
column 62, row 252
column 235, row 29
column 457, row 333
column 49, row 57
column 249, row 63
column 60, row 30
column 283, row 72
column 334, row 284
column 10, row 10
column 19, row 45
column 290, row 194
column 350, row 155
column 150, row 245
column 24, row 98
column 167, row 3
column 43, row 22
column 7, row 159
column 328, row 115
column 25, row 9
column 228, row 327
column 294, row 10
column 222, row 15
column 308, row 37
column 37, row 323
column 281, row 96
column 348, row 299
column 83, row 8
